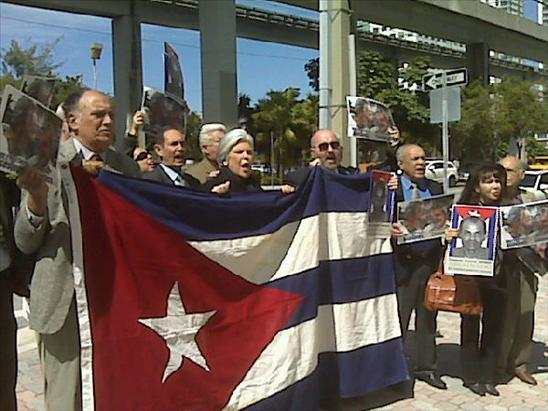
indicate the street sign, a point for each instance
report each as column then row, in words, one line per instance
column 453, row 104
column 454, row 77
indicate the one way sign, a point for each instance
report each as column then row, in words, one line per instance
column 453, row 78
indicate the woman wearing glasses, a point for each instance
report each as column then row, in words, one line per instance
column 144, row 159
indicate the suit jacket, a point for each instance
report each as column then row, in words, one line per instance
column 160, row 176
column 52, row 285
column 299, row 176
column 407, row 256
column 237, row 183
column 201, row 170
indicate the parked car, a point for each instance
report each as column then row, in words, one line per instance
column 536, row 182
column 262, row 168
column 434, row 171
column 540, row 163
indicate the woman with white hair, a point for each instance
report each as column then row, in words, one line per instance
column 235, row 157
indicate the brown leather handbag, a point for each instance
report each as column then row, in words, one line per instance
column 458, row 294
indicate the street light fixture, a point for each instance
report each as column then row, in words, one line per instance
column 96, row 50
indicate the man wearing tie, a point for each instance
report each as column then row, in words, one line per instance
column 171, row 148
column 42, row 228
column 414, row 263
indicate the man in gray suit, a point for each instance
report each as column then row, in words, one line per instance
column 42, row 227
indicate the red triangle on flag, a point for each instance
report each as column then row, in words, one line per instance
column 131, row 263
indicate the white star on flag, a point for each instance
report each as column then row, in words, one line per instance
column 179, row 330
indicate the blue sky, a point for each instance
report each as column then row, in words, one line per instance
column 261, row 66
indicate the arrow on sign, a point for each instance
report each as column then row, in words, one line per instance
column 453, row 78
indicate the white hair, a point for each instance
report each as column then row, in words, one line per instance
column 232, row 138
column 205, row 136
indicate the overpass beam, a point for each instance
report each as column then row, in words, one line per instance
column 128, row 73
column 218, row 43
column 477, row 62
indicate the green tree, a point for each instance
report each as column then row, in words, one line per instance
column 381, row 80
column 36, row 60
column 492, row 116
column 291, row 120
column 193, row 125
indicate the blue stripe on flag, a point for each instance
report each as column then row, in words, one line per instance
column 250, row 214
column 358, row 372
column 339, row 281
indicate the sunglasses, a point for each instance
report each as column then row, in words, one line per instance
column 325, row 146
column 143, row 155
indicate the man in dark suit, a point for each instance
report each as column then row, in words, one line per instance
column 171, row 148
column 326, row 150
column 414, row 263
column 42, row 227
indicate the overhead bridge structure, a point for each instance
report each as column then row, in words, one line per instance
column 478, row 26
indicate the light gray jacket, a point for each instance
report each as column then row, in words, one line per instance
column 52, row 285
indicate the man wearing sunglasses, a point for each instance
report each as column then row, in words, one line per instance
column 326, row 151
column 171, row 148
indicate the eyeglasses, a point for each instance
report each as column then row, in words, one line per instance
column 143, row 155
column 325, row 146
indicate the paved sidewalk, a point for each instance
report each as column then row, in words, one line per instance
column 515, row 396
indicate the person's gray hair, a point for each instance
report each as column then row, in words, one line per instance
column 400, row 152
column 514, row 215
column 232, row 138
column 205, row 131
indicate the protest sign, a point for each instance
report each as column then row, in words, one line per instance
column 29, row 134
column 369, row 119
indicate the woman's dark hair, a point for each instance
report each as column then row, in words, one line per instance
column 482, row 173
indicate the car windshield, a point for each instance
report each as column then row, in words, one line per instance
column 529, row 180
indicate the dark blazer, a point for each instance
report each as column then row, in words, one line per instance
column 299, row 176
column 160, row 176
column 408, row 256
column 237, row 183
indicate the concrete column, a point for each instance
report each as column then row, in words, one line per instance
column 477, row 62
column 339, row 12
column 218, row 43
column 128, row 73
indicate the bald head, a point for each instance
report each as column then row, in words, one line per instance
column 515, row 170
column 326, row 147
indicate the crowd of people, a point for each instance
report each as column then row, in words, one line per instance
column 40, row 234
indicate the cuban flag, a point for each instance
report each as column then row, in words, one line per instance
column 193, row 301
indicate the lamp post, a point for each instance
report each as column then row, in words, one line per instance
column 96, row 49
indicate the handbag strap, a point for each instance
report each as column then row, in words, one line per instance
column 441, row 266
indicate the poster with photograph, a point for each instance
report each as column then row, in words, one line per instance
column 29, row 133
column 369, row 119
column 381, row 205
column 173, row 75
column 39, row 88
column 473, row 251
column 425, row 219
column 371, row 154
column 524, row 225
column 162, row 110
